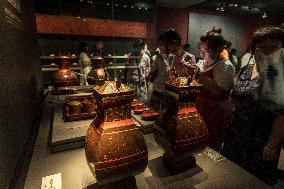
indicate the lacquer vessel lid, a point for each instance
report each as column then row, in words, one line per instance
column 113, row 93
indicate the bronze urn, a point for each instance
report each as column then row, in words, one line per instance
column 74, row 107
column 97, row 75
column 115, row 148
column 64, row 77
column 180, row 129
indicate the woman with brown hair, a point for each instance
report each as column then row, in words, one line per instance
column 256, row 128
column 216, row 76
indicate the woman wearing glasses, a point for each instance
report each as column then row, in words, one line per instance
column 256, row 128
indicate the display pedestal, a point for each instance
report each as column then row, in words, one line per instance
column 180, row 130
column 177, row 163
column 127, row 183
column 145, row 127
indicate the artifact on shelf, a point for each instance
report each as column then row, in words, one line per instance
column 53, row 64
column 135, row 104
column 139, row 110
column 79, row 106
column 115, row 148
column 149, row 115
column 97, row 75
column 180, row 129
column 64, row 76
column 89, row 106
column 74, row 107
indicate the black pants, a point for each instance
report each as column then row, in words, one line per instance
column 158, row 100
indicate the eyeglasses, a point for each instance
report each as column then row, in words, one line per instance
column 268, row 48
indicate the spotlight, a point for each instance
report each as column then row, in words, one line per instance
column 221, row 8
column 264, row 15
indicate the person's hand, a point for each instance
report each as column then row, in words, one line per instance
column 186, row 61
column 269, row 153
column 193, row 71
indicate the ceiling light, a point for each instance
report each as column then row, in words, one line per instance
column 107, row 4
column 236, row 5
column 264, row 15
column 221, row 8
column 124, row 6
column 245, row 7
column 139, row 8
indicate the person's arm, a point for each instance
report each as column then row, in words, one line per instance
column 223, row 79
column 234, row 60
column 153, row 69
column 193, row 60
column 147, row 66
column 85, row 59
column 276, row 138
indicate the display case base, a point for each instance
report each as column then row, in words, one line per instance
column 178, row 163
column 127, row 183
column 145, row 127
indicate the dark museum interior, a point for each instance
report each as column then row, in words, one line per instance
column 142, row 94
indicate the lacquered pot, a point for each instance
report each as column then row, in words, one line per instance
column 97, row 75
column 89, row 106
column 74, row 107
column 64, row 76
column 115, row 148
column 180, row 130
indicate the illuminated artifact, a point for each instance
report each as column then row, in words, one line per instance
column 64, row 76
column 115, row 148
column 180, row 130
column 97, row 75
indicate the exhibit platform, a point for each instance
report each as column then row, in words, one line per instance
column 65, row 135
column 213, row 170
column 145, row 127
column 69, row 135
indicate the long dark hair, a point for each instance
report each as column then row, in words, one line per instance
column 269, row 32
column 172, row 36
column 215, row 41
